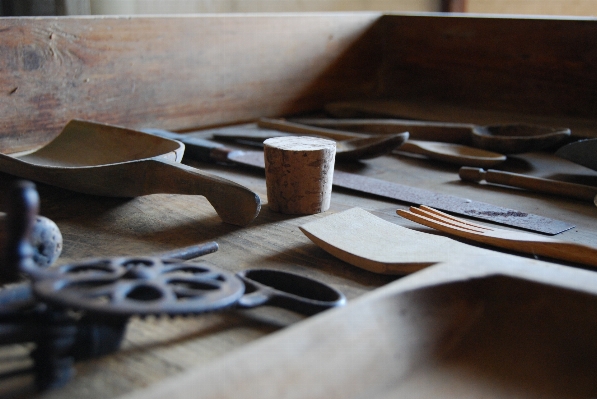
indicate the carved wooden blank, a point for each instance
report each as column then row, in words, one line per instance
column 299, row 173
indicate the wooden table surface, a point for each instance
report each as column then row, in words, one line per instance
column 157, row 348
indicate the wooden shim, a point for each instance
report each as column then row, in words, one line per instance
column 371, row 243
column 175, row 72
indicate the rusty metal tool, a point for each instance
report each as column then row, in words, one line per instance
column 208, row 151
column 104, row 293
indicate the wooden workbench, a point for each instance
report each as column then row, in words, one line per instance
column 143, row 72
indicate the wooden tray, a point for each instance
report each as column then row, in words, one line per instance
column 493, row 336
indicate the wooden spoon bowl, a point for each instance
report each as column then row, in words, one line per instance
column 503, row 139
column 452, row 153
column 517, row 138
column 368, row 147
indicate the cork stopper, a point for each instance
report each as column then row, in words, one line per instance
column 299, row 173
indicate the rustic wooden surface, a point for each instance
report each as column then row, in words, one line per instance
column 185, row 72
column 155, row 349
column 472, row 329
column 526, row 66
column 145, row 72
column 371, row 243
column 166, row 72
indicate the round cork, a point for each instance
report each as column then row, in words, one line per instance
column 298, row 174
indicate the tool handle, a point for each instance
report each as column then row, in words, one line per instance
column 17, row 256
column 190, row 252
column 234, row 203
column 291, row 127
column 253, row 137
column 536, row 184
column 418, row 130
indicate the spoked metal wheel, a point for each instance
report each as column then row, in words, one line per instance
column 138, row 286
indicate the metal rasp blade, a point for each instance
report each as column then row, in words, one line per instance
column 418, row 196
column 208, row 151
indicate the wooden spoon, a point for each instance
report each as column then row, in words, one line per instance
column 349, row 145
column 503, row 139
column 531, row 183
column 453, row 153
column 99, row 159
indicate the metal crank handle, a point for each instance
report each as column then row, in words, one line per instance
column 190, row 252
column 287, row 290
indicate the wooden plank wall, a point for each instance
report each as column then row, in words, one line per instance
column 536, row 7
column 532, row 66
column 176, row 72
column 211, row 6
column 187, row 72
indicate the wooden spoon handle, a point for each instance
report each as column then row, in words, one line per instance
column 250, row 137
column 536, row 184
column 291, row 127
column 418, row 130
column 234, row 203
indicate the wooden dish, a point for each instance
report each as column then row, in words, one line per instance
column 517, row 138
column 105, row 160
column 498, row 336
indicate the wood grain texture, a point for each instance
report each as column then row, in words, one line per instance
column 179, row 72
column 99, row 159
column 533, row 7
column 452, row 153
column 457, row 114
column 453, row 5
column 155, row 349
column 536, row 184
column 519, row 241
column 532, row 66
column 471, row 338
column 175, row 72
column 371, row 243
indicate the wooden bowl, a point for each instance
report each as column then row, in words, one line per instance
column 518, row 138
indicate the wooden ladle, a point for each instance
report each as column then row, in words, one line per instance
column 105, row 160
column 503, row 139
column 453, row 153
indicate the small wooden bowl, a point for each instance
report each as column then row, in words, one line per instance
column 517, row 138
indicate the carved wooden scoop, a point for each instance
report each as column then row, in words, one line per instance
column 99, row 159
